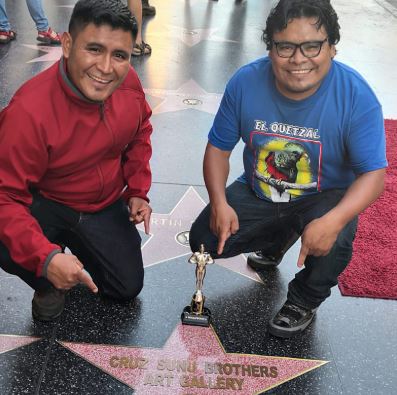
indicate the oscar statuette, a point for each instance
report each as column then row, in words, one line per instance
column 196, row 313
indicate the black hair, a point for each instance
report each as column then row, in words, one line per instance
column 102, row 12
column 286, row 10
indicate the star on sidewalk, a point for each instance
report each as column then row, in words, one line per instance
column 11, row 342
column 169, row 236
column 189, row 96
column 192, row 360
column 53, row 54
column 190, row 37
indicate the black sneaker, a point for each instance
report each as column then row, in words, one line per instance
column 290, row 320
column 48, row 305
column 261, row 260
column 147, row 9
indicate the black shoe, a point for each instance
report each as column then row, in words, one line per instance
column 48, row 305
column 290, row 320
column 148, row 10
column 262, row 260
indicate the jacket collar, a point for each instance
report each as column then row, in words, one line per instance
column 70, row 89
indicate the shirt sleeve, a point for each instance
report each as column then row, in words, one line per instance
column 225, row 132
column 366, row 139
column 136, row 167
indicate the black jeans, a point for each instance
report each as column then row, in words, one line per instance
column 267, row 226
column 106, row 242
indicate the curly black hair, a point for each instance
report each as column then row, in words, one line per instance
column 102, row 12
column 286, row 10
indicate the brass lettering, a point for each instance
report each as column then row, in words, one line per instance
column 208, row 368
column 227, row 369
column 211, row 385
column 184, row 381
column 264, row 371
column 246, row 369
column 198, row 382
column 133, row 363
column 142, row 362
column 229, row 383
column 255, row 371
column 113, row 362
column 273, row 371
column 221, row 382
column 218, row 368
column 237, row 368
column 158, row 379
column 169, row 377
column 161, row 364
column 128, row 362
column 239, row 383
column 124, row 362
column 192, row 367
column 179, row 366
column 149, row 379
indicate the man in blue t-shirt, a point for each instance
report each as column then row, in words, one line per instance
column 314, row 158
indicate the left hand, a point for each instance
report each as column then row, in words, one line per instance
column 140, row 211
column 318, row 238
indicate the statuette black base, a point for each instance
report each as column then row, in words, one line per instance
column 189, row 318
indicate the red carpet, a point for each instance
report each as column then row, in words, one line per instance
column 373, row 270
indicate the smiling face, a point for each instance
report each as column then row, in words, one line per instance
column 98, row 59
column 299, row 77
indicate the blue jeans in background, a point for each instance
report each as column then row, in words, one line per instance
column 36, row 12
column 267, row 226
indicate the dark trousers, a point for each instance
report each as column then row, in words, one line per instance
column 267, row 226
column 106, row 242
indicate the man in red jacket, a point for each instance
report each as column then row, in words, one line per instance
column 74, row 166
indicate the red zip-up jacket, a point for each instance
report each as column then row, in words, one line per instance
column 82, row 154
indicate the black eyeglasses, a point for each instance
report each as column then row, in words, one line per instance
column 310, row 49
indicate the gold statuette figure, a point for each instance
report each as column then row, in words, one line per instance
column 196, row 313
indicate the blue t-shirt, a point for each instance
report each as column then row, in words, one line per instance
column 294, row 148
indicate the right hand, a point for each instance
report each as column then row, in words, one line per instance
column 65, row 271
column 223, row 223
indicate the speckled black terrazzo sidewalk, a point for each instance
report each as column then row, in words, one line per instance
column 197, row 45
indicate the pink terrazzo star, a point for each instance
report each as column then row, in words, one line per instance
column 11, row 342
column 192, row 362
column 163, row 244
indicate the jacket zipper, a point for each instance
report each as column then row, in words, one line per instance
column 102, row 117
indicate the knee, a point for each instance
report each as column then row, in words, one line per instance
column 201, row 235
column 130, row 292
column 125, row 289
